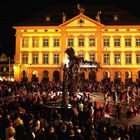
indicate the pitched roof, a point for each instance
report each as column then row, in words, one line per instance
column 54, row 12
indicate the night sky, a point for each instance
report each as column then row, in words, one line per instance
column 13, row 12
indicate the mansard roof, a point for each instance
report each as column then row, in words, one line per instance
column 52, row 15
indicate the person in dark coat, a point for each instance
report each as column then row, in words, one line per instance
column 63, row 133
column 20, row 129
column 52, row 135
column 71, row 135
column 118, row 111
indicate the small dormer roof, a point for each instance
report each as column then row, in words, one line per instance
column 110, row 15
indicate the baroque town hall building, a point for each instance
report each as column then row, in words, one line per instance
column 103, row 33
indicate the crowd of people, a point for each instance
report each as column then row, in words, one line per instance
column 24, row 113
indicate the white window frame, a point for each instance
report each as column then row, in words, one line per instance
column 56, row 42
column 106, row 58
column 25, row 58
column 117, row 42
column 138, row 58
column 117, row 58
column 137, row 41
column 106, row 42
column 128, row 58
column 128, row 42
column 91, row 41
column 81, row 55
column 25, row 42
column 92, row 57
column 56, row 59
column 45, row 42
column 70, row 42
column 81, row 42
column 45, row 58
column 35, row 58
column 35, row 42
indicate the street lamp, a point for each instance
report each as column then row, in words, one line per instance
column 9, row 67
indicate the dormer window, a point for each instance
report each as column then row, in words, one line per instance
column 47, row 18
column 116, row 17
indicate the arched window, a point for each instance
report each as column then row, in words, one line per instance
column 35, row 76
column 117, row 77
column 138, row 75
column 56, row 75
column 45, row 77
column 24, row 77
column 92, row 75
column 128, row 77
column 82, row 75
column 106, row 76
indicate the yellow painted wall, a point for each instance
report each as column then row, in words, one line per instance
column 74, row 29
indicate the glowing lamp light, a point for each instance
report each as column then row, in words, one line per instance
column 15, row 67
column 12, row 79
column 66, row 61
column 87, row 66
column 1, row 79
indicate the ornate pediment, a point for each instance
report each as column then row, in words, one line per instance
column 81, row 20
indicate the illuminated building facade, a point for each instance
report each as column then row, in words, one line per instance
column 6, row 68
column 111, row 38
